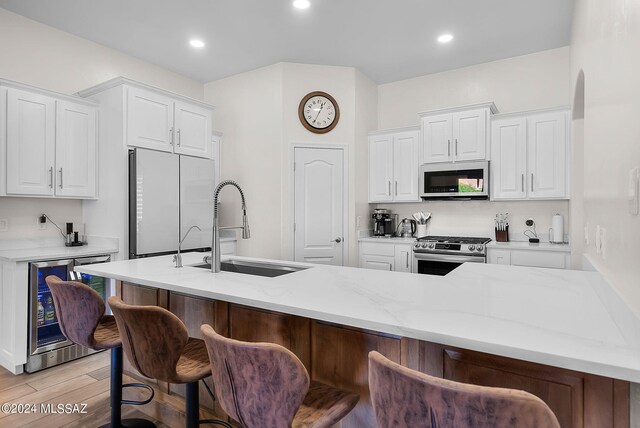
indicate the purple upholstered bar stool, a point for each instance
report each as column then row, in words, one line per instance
column 265, row 385
column 81, row 317
column 158, row 345
column 407, row 398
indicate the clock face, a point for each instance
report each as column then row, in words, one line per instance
column 319, row 112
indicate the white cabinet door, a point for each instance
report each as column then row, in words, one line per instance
column 469, row 135
column 193, row 130
column 405, row 166
column 547, row 155
column 437, row 138
column 75, row 150
column 403, row 258
column 377, row 262
column 509, row 158
column 149, row 120
column 30, row 143
column 380, row 168
column 545, row 259
column 498, row 257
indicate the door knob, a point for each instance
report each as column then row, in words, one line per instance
column 338, row 240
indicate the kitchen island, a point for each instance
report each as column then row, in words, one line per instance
column 563, row 335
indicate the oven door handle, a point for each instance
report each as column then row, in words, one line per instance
column 448, row 258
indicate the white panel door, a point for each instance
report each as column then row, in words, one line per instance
column 509, row 158
column 197, row 184
column 469, row 135
column 547, row 155
column 30, row 143
column 193, row 130
column 380, row 168
column 405, row 166
column 437, row 138
column 319, row 228
column 149, row 120
column 157, row 202
column 75, row 150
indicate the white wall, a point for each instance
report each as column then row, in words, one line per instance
column 258, row 113
column 249, row 114
column 528, row 82
column 605, row 44
column 45, row 57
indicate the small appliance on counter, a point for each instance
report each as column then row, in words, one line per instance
column 384, row 223
column 556, row 232
column 72, row 238
column 407, row 228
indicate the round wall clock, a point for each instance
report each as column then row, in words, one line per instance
column 318, row 112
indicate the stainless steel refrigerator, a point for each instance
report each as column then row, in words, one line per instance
column 168, row 194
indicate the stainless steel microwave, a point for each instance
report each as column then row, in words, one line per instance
column 459, row 180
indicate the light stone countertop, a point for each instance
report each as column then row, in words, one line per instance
column 563, row 318
column 525, row 245
column 387, row 240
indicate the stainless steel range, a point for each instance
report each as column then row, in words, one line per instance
column 439, row 255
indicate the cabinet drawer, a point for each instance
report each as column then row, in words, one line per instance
column 382, row 249
column 546, row 259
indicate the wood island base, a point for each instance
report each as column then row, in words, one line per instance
column 338, row 355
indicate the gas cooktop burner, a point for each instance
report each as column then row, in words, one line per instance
column 454, row 239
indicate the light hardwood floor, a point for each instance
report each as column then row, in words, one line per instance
column 84, row 381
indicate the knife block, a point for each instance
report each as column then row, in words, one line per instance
column 502, row 235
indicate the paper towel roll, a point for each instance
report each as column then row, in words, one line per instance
column 556, row 233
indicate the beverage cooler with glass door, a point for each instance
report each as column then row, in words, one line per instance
column 47, row 345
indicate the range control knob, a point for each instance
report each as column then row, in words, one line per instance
column 472, row 247
column 479, row 247
column 432, row 245
column 416, row 245
column 424, row 245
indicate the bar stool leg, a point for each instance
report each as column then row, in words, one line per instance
column 192, row 403
column 116, row 386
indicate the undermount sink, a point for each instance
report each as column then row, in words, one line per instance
column 270, row 270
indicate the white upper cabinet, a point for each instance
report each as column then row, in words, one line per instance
column 547, row 146
column 30, row 143
column 393, row 166
column 454, row 135
column 193, row 130
column 50, row 143
column 157, row 121
column 75, row 150
column 437, row 133
column 380, row 167
column 149, row 120
column 529, row 153
column 509, row 158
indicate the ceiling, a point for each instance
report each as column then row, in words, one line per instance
column 387, row 40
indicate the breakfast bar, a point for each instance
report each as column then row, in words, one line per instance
column 563, row 335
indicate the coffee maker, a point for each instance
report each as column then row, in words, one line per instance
column 384, row 223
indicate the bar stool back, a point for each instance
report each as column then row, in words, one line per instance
column 265, row 385
column 158, row 345
column 81, row 317
column 407, row 398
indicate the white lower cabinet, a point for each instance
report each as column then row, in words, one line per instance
column 385, row 256
column 531, row 258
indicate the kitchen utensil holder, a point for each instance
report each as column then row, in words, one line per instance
column 502, row 235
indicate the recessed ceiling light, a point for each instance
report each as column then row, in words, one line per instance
column 196, row 43
column 445, row 38
column 301, row 4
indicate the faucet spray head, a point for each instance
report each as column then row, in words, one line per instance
column 246, row 233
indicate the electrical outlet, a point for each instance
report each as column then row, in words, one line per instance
column 42, row 225
column 4, row 224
